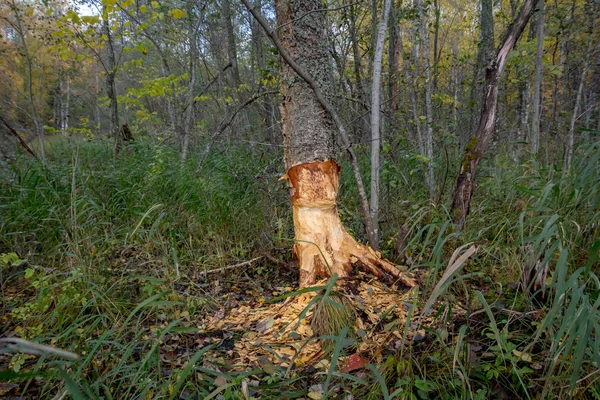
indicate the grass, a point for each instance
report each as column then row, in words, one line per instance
column 103, row 257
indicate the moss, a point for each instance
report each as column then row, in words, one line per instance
column 469, row 155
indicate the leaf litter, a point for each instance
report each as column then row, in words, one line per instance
column 280, row 335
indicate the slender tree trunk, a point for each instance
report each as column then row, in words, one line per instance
column 410, row 76
column 484, row 57
column 376, row 117
column 393, row 68
column 578, row 99
column 430, row 178
column 465, row 182
column 266, row 108
column 454, row 73
column 67, row 104
column 61, row 106
column 436, row 30
column 39, row 130
column 231, row 48
column 361, row 125
column 323, row 247
column 189, row 115
column 111, row 90
column 97, row 77
column 537, row 83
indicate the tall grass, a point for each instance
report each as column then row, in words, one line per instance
column 110, row 243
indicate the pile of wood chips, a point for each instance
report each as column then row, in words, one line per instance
column 274, row 333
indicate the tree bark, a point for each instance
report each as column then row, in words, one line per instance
column 574, row 115
column 189, row 115
column 537, row 83
column 39, row 130
column 111, row 90
column 484, row 57
column 410, row 76
column 231, row 49
column 436, row 34
column 424, row 34
column 393, row 78
column 361, row 125
column 465, row 182
column 322, row 247
column 375, row 119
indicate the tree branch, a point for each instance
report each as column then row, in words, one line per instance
column 21, row 141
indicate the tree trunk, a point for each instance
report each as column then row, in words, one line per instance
column 323, row 247
column 574, row 115
column 189, row 115
column 361, row 125
column 97, row 76
column 67, row 103
column 484, row 57
column 465, row 182
column 410, row 76
column 534, row 140
column 266, row 108
column 424, row 34
column 231, row 49
column 111, row 90
column 393, row 69
column 436, row 34
column 39, row 130
column 376, row 117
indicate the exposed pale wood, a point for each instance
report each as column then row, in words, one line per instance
column 234, row 266
column 322, row 246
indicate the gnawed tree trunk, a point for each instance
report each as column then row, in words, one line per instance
column 465, row 182
column 323, row 247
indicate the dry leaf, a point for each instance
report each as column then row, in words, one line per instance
column 354, row 362
column 220, row 381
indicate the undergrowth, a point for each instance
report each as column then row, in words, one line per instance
column 114, row 260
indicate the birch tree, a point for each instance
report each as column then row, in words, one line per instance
column 376, row 118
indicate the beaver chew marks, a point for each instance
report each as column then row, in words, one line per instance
column 323, row 247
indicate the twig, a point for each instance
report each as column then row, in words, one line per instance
column 210, row 271
column 21, row 141
column 227, row 120
column 25, row 346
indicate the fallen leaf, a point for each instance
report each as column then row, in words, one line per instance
column 354, row 362
column 523, row 356
column 265, row 325
column 220, row 381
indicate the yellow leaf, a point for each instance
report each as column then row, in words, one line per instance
column 523, row 356
column 315, row 395
column 178, row 14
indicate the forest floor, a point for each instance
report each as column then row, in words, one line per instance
column 169, row 283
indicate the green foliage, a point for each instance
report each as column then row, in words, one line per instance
column 97, row 248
